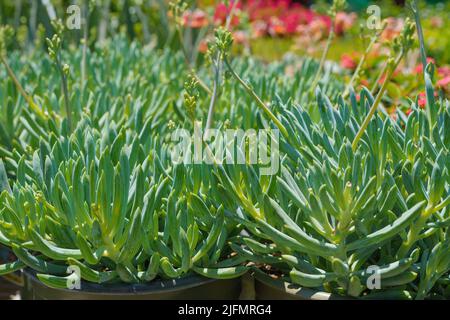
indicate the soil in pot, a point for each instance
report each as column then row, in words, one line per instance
column 269, row 288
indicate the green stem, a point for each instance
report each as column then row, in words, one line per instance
column 423, row 56
column 188, row 62
column 324, row 56
column 377, row 80
column 361, row 63
column 260, row 103
column 230, row 16
column 85, row 43
column 214, row 95
column 65, row 93
column 218, row 72
column 414, row 233
column 22, row 91
column 373, row 109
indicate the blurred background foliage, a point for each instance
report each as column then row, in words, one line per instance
column 149, row 21
column 267, row 29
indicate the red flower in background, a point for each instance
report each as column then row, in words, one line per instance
column 419, row 67
column 222, row 11
column 318, row 28
column 422, row 100
column 444, row 83
column 291, row 21
column 259, row 29
column 393, row 28
column 283, row 18
column 364, row 82
column 276, row 27
column 203, row 46
column 344, row 21
column 443, row 73
column 348, row 62
column 240, row 37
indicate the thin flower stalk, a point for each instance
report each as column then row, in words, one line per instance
column 218, row 65
column 54, row 47
column 402, row 44
column 85, row 42
column 37, row 110
column 361, row 62
column 378, row 79
column 258, row 100
column 431, row 114
column 178, row 7
column 335, row 8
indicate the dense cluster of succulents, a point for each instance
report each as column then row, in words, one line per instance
column 82, row 186
column 332, row 212
column 106, row 202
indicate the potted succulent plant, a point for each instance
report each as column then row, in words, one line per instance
column 93, row 208
column 91, row 216
column 361, row 206
column 336, row 219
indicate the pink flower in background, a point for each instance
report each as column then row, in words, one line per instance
column 348, row 62
column 240, row 37
column 203, row 46
column 284, row 18
column 291, row 21
column 326, row 20
column 393, row 28
column 318, row 28
column 444, row 83
column 436, row 22
column 196, row 19
column 222, row 11
column 344, row 21
column 259, row 29
column 265, row 9
column 276, row 27
column 422, row 100
column 364, row 82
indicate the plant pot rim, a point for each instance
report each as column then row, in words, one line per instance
column 289, row 288
column 155, row 286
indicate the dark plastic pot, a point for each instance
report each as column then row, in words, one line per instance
column 8, row 290
column 6, row 256
column 192, row 287
column 268, row 288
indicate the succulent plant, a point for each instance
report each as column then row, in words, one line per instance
column 106, row 202
column 332, row 212
column 360, row 195
column 356, row 189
